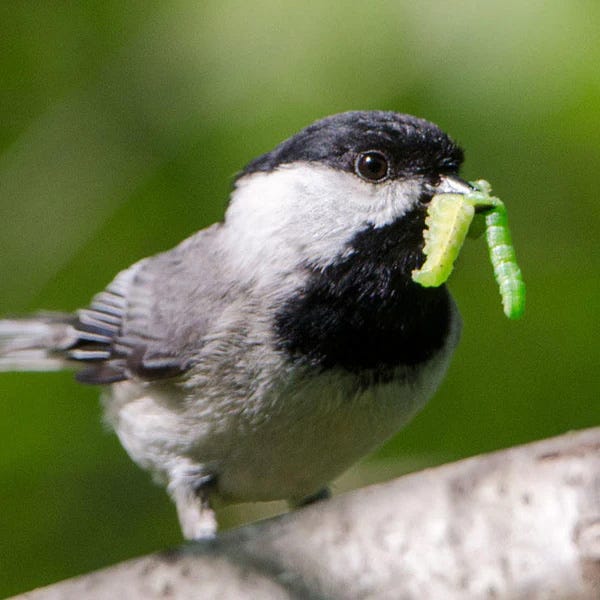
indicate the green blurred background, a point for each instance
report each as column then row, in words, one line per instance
column 121, row 127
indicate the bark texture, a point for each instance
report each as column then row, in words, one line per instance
column 521, row 523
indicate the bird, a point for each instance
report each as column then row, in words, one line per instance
column 264, row 355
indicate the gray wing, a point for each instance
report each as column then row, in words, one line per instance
column 150, row 321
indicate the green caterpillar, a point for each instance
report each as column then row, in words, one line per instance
column 449, row 218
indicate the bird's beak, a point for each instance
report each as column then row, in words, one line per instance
column 450, row 184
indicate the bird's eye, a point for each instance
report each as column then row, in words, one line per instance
column 372, row 166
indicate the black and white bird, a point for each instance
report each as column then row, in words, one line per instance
column 264, row 355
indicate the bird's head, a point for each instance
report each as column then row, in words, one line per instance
column 356, row 182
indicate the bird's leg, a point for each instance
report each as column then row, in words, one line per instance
column 322, row 494
column 192, row 499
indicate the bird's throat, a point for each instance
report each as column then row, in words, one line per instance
column 364, row 313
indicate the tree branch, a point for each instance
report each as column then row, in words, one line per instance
column 520, row 523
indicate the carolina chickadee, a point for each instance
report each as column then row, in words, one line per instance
column 265, row 354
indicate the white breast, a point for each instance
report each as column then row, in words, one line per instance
column 265, row 440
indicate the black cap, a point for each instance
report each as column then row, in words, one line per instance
column 412, row 145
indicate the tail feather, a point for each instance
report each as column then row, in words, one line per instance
column 36, row 343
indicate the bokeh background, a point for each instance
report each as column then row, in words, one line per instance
column 121, row 127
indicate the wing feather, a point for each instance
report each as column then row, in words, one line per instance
column 134, row 328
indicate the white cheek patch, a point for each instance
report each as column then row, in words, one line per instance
column 306, row 212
